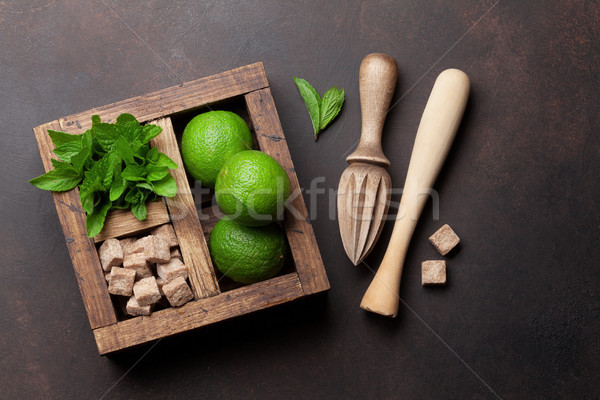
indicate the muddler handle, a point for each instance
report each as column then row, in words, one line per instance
column 436, row 132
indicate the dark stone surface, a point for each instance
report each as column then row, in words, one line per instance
column 519, row 317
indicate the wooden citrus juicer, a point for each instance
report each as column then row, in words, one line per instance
column 365, row 185
column 436, row 132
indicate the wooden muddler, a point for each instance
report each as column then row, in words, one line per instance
column 436, row 132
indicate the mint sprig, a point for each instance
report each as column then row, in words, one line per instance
column 114, row 167
column 322, row 111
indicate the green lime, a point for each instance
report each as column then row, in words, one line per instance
column 209, row 139
column 252, row 188
column 247, row 254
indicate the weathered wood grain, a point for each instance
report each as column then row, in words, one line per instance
column 300, row 234
column 184, row 217
column 82, row 250
column 123, row 223
column 176, row 98
column 198, row 313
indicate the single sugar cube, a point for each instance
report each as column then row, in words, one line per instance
column 146, row 291
column 162, row 251
column 125, row 244
column 444, row 239
column 121, row 281
column 177, row 292
column 433, row 272
column 171, row 270
column 175, row 253
column 156, row 249
column 134, row 308
column 166, row 232
column 111, row 254
column 138, row 263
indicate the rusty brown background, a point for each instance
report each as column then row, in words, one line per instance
column 519, row 318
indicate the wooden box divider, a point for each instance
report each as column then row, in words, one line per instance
column 121, row 223
column 184, row 218
column 210, row 304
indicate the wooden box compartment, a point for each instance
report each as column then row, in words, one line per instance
column 215, row 299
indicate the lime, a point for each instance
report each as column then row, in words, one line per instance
column 252, row 188
column 209, row 139
column 247, row 254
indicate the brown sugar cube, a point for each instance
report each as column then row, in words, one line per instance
column 171, row 270
column 162, row 251
column 155, row 248
column 175, row 253
column 146, row 291
column 134, row 308
column 166, row 232
column 433, row 272
column 138, row 263
column 444, row 239
column 134, row 246
column 111, row 254
column 121, row 281
column 178, row 292
column 125, row 244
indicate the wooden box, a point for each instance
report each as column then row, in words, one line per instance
column 213, row 301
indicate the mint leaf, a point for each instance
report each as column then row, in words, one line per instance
column 166, row 186
column 112, row 169
column 58, row 180
column 67, row 150
column 60, row 138
column 130, row 129
column 145, row 185
column 105, row 134
column 95, row 220
column 98, row 181
column 332, row 103
column 124, row 150
column 134, row 173
column 125, row 117
column 117, row 188
column 137, row 195
column 91, row 185
column 152, row 155
column 80, row 159
column 312, row 100
column 321, row 110
column 139, row 210
column 140, row 150
column 156, row 173
column 164, row 161
column 149, row 132
column 305, row 84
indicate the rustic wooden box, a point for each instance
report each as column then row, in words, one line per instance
column 212, row 303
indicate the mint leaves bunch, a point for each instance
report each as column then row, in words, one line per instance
column 114, row 167
column 322, row 110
